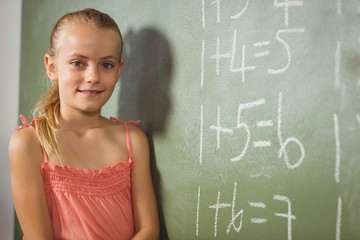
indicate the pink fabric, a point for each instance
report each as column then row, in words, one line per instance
column 90, row 203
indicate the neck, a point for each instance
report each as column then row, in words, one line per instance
column 80, row 122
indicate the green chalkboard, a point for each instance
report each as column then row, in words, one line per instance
column 252, row 108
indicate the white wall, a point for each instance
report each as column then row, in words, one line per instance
column 10, row 29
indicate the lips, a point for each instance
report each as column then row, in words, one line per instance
column 90, row 92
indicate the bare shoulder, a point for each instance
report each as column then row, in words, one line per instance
column 138, row 136
column 116, row 127
column 136, row 133
column 23, row 138
column 23, row 144
column 140, row 146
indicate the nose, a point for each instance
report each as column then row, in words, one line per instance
column 93, row 75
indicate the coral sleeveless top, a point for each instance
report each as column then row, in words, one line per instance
column 89, row 203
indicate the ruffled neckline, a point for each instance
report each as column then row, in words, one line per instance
column 87, row 172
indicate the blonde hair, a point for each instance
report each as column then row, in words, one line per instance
column 47, row 110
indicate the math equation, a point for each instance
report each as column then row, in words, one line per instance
column 245, row 59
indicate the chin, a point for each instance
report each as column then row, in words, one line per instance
column 90, row 109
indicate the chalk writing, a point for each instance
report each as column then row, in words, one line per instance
column 236, row 218
column 289, row 216
column 338, row 219
column 262, row 53
column 235, row 53
column 218, row 206
column 286, row 4
column 257, row 220
column 241, row 12
column 201, row 134
column 232, row 58
column 337, row 64
column 238, row 52
column 283, row 144
column 242, row 124
column 198, row 212
column 217, row 3
column 337, row 148
column 243, row 68
column 287, row 48
column 220, row 129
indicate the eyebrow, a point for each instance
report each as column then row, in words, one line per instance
column 85, row 57
column 77, row 56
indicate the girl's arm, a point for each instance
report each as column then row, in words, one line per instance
column 145, row 210
column 27, row 185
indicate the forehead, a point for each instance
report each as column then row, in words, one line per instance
column 88, row 40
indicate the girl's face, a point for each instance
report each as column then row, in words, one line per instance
column 87, row 66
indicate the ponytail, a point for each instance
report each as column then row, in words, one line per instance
column 47, row 112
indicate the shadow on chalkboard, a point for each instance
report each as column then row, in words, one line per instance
column 352, row 63
column 145, row 91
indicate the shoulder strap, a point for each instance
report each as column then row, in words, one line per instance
column 128, row 140
column 127, row 133
column 25, row 123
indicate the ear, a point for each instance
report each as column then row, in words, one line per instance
column 121, row 64
column 49, row 62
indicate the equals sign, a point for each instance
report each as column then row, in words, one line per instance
column 268, row 123
column 263, row 53
column 258, row 205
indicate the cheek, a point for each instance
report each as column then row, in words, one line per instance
column 67, row 83
column 111, row 82
column 63, row 86
column 68, row 77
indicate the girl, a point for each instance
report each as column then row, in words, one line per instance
column 75, row 174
